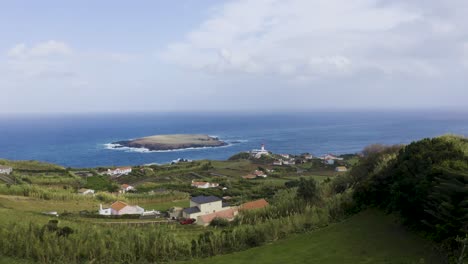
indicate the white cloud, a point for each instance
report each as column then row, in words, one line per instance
column 320, row 38
column 40, row 50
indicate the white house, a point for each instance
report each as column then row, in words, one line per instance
column 121, row 208
column 286, row 156
column 257, row 153
column 104, row 211
column 125, row 188
column 84, row 191
column 204, row 185
column 341, row 169
column 5, row 169
column 278, row 162
column 260, row 173
column 330, row 159
column 203, row 205
column 119, row 171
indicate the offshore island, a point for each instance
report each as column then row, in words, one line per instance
column 172, row 142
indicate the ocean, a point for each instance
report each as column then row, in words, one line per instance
column 82, row 140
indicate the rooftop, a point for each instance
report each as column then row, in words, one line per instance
column 226, row 214
column 118, row 205
column 205, row 199
column 254, row 204
column 4, row 167
column 191, row 210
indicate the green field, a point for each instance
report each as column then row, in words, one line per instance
column 369, row 237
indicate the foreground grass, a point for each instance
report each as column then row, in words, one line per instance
column 369, row 237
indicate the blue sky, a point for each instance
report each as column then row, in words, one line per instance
column 246, row 55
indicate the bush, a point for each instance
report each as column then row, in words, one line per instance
column 219, row 222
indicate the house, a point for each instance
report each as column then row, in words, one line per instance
column 258, row 204
column 341, row 169
column 84, row 191
column 125, row 188
column 121, row 208
column 278, row 162
column 203, row 205
column 5, row 169
column 286, row 156
column 204, row 185
column 330, row 159
column 260, row 173
column 228, row 214
column 119, row 171
column 289, row 162
column 308, row 156
column 258, row 153
column 175, row 212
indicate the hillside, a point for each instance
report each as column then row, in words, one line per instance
column 369, row 237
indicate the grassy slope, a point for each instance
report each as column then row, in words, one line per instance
column 369, row 237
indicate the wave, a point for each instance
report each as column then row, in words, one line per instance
column 145, row 150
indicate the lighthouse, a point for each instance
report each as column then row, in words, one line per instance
column 263, row 147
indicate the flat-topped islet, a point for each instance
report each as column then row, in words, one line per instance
column 173, row 142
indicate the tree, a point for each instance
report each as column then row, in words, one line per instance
column 308, row 190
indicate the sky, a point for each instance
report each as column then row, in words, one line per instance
column 247, row 55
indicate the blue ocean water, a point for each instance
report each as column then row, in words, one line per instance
column 80, row 140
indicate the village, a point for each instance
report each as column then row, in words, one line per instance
column 214, row 192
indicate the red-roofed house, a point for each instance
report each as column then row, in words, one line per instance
column 121, row 208
column 125, row 188
column 204, row 185
column 260, row 173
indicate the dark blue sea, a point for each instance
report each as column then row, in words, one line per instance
column 80, row 140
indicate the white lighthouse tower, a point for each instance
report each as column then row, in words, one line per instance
column 257, row 153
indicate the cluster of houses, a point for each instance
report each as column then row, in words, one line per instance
column 203, row 209
column 5, row 170
column 204, row 185
column 123, row 189
column 119, row 171
column 330, row 159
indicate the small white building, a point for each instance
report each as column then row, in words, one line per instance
column 260, row 173
column 341, row 169
column 125, row 188
column 278, row 162
column 121, row 208
column 119, row 171
column 203, row 205
column 5, row 169
column 204, row 185
column 286, row 156
column 84, row 191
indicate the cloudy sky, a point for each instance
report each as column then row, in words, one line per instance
column 210, row 55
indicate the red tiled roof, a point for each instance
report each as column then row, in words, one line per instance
column 199, row 183
column 254, row 204
column 249, row 176
column 125, row 186
column 226, row 214
column 118, row 205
